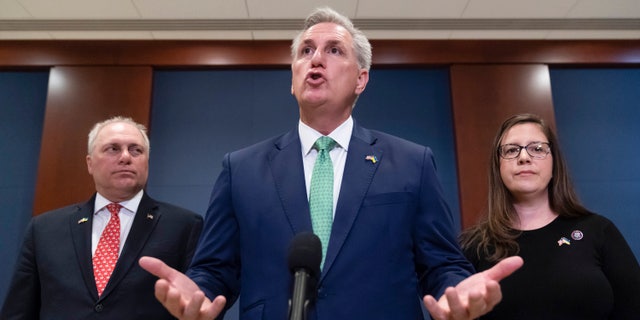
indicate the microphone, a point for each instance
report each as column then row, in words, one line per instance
column 305, row 254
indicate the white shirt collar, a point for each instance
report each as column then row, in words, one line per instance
column 308, row 135
column 131, row 205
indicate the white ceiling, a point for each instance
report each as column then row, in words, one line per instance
column 280, row 19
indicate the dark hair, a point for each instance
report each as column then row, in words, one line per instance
column 494, row 234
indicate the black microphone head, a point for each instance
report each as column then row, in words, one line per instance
column 305, row 252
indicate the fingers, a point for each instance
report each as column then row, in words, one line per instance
column 458, row 309
column 179, row 294
column 214, row 309
column 157, row 268
column 169, row 297
column 451, row 305
column 493, row 296
column 192, row 310
column 161, row 290
column 477, row 306
column 200, row 308
column 481, row 302
column 475, row 295
column 504, row 268
column 434, row 308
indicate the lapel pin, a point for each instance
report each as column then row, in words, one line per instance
column 577, row 235
column 373, row 159
column 564, row 240
column 149, row 216
column 83, row 220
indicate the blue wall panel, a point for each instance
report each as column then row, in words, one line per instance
column 415, row 105
column 22, row 103
column 598, row 120
column 198, row 116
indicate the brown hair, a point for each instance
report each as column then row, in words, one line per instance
column 493, row 235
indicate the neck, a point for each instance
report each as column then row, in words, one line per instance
column 533, row 214
column 119, row 195
column 324, row 123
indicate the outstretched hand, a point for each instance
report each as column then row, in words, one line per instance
column 179, row 294
column 474, row 296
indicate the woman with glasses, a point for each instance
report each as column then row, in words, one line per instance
column 577, row 265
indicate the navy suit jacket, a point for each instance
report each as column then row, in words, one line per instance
column 54, row 272
column 392, row 239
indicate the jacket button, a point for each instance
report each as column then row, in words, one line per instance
column 98, row 307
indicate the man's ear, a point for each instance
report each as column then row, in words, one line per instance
column 363, row 79
column 89, row 167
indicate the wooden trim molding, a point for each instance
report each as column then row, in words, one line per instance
column 42, row 53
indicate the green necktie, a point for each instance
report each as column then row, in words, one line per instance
column 321, row 193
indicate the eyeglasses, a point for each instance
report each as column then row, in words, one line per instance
column 537, row 150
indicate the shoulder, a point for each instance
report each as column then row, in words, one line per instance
column 594, row 225
column 176, row 209
column 280, row 141
column 390, row 142
column 59, row 214
column 176, row 213
column 593, row 220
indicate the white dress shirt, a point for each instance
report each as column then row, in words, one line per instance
column 101, row 217
column 342, row 135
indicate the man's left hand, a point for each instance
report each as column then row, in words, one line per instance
column 475, row 295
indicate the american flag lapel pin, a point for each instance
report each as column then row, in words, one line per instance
column 83, row 220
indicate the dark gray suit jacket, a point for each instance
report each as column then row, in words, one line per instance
column 54, row 273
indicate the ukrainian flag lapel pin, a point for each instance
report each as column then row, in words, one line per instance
column 564, row 240
column 373, row 159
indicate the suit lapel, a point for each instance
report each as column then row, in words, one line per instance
column 143, row 224
column 80, row 222
column 290, row 185
column 357, row 176
column 286, row 164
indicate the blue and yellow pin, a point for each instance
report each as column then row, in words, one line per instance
column 373, row 159
column 564, row 240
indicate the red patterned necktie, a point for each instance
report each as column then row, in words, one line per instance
column 106, row 256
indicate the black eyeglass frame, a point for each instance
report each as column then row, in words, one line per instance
column 535, row 144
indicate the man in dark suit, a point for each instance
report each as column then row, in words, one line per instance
column 80, row 262
column 391, row 242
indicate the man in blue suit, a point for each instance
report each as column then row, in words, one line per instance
column 57, row 274
column 392, row 240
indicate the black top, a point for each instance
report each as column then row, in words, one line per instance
column 574, row 268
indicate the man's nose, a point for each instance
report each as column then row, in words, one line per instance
column 125, row 156
column 317, row 59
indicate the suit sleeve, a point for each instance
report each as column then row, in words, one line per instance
column 23, row 296
column 216, row 263
column 440, row 262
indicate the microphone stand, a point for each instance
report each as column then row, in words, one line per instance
column 299, row 300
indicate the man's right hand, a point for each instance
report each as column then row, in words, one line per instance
column 179, row 294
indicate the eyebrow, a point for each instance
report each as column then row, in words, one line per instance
column 328, row 43
column 528, row 143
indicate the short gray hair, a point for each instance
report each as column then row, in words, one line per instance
column 98, row 126
column 361, row 44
